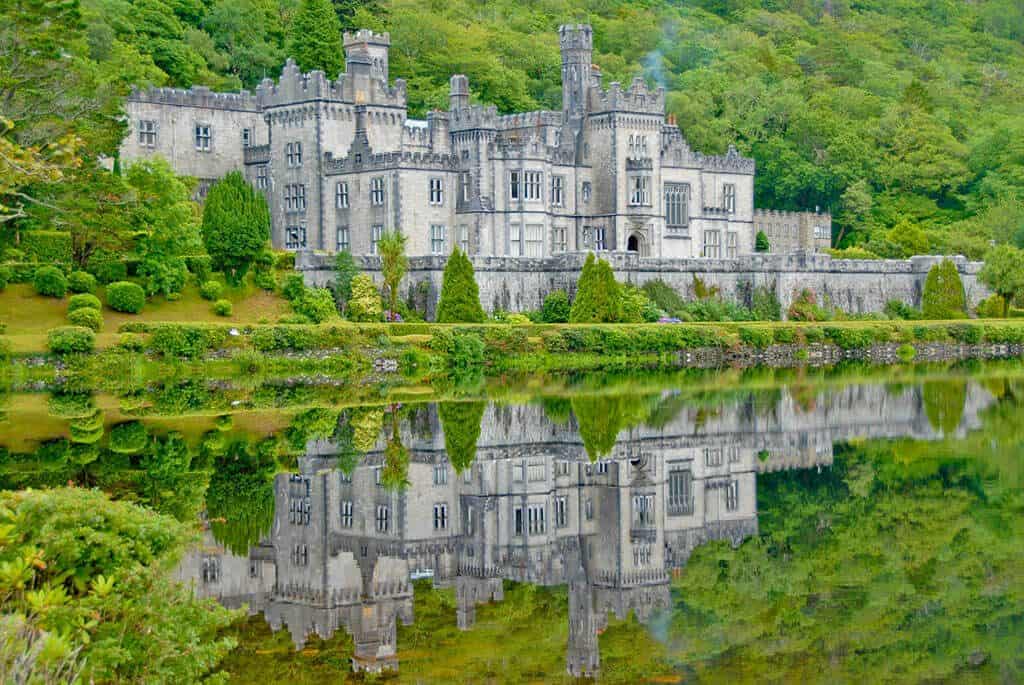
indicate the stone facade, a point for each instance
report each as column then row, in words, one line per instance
column 520, row 284
column 340, row 162
column 794, row 231
column 343, row 550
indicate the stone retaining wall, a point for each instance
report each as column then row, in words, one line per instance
column 520, row 283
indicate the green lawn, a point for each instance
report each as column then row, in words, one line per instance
column 29, row 316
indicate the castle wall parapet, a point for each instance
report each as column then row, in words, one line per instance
column 196, row 96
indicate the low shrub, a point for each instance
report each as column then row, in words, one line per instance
column 784, row 335
column 264, row 260
column 265, row 280
column 133, row 342
column 850, row 338
column 554, row 342
column 504, row 341
column 128, row 438
column 517, row 319
column 84, row 301
column 126, row 297
column 211, row 290
column 765, row 306
column 70, row 339
column 467, row 351
column 316, row 304
column 991, row 307
column 555, row 308
column 813, row 335
column 931, row 333
column 966, row 333
column 906, row 352
column 50, row 281
column 87, row 317
column 285, row 260
column 663, row 295
column 292, row 287
column 805, row 308
column 6, row 275
column 186, row 340
column 222, row 308
column 1003, row 335
column 81, row 282
column 756, row 337
column 896, row 309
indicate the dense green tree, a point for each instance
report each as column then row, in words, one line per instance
column 236, row 225
column 393, row 265
column 1003, row 273
column 364, row 305
column 314, row 38
column 761, row 242
column 460, row 295
column 943, row 296
column 598, row 297
column 240, row 498
column 460, row 422
column 345, row 269
column 556, row 307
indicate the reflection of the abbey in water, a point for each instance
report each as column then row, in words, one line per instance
column 533, row 508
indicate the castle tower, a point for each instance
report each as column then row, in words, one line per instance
column 577, row 43
column 458, row 97
column 374, row 45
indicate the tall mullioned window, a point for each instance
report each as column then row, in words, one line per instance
column 732, row 495
column 534, row 243
column 341, row 195
column 557, row 191
column 600, row 238
column 204, row 137
column 344, row 240
column 729, row 197
column 713, row 244
column 639, row 191
column 293, row 154
column 437, row 191
column 465, row 183
column 246, row 137
column 440, row 517
column 731, row 244
column 262, row 179
column 515, row 240
column 677, row 206
column 464, row 238
column 533, row 185
column 515, row 190
column 559, row 239
column 377, row 191
column 376, row 233
column 437, row 239
column 295, row 197
column 147, row 133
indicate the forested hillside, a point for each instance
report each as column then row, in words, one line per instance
column 902, row 117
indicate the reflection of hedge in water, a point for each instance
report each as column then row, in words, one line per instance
column 240, row 499
column 70, row 405
column 600, row 418
column 460, row 422
column 944, row 403
column 128, row 438
column 87, row 430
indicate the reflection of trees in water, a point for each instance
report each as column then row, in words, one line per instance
column 240, row 499
column 460, row 422
column 395, row 475
column 944, row 403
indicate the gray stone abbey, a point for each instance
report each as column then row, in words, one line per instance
column 341, row 163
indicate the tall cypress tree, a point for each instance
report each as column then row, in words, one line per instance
column 598, row 298
column 460, row 295
column 236, row 225
column 314, row 38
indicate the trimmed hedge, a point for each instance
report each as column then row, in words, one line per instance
column 81, row 282
column 84, row 301
column 70, row 340
column 109, row 270
column 21, row 272
column 88, row 317
column 186, row 340
column 50, row 281
column 48, row 247
column 125, row 296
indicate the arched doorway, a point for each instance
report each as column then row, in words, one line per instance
column 633, row 244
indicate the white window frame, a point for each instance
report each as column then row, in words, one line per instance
column 344, row 239
column 729, row 197
column 147, row 133
column 515, row 185
column 464, row 238
column 465, row 180
column 600, row 238
column 295, row 237
column 515, row 240
column 377, row 195
column 440, row 474
column 246, row 137
column 559, row 238
column 436, row 190
column 732, row 496
column 346, row 514
column 533, row 185
column 383, row 519
column 677, row 207
column 341, row 195
column 533, row 240
column 732, row 240
column 639, row 190
column 376, row 233
column 203, row 137
column 440, row 516
column 713, row 244
column 293, row 154
column 438, row 238
column 262, row 176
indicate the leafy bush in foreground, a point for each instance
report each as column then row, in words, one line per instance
column 126, row 297
column 70, row 339
column 50, row 281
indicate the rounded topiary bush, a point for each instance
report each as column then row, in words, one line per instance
column 211, row 290
column 50, row 281
column 222, row 308
column 128, row 438
column 81, row 282
column 70, row 339
column 127, row 297
column 84, row 301
column 88, row 317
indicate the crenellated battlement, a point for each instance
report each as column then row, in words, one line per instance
column 196, row 96
column 529, row 120
column 390, row 160
column 638, row 98
column 474, row 116
column 364, row 36
column 731, row 162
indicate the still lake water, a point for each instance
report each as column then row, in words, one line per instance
column 711, row 527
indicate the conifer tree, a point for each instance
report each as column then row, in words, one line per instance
column 314, row 40
column 761, row 243
column 460, row 295
column 393, row 265
column 598, row 298
column 943, row 296
column 236, row 225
